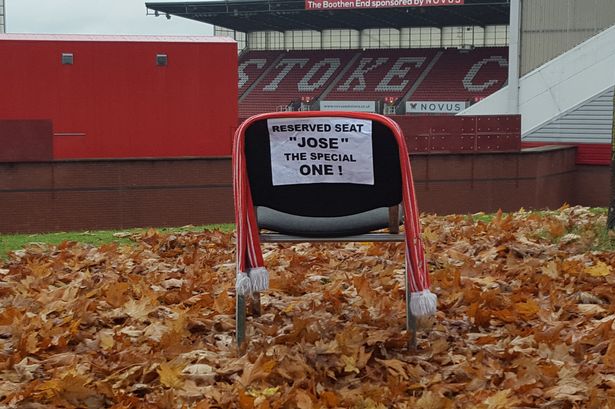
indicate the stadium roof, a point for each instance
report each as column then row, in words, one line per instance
column 282, row 15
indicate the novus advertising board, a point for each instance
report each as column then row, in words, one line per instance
column 321, row 150
column 434, row 107
column 375, row 4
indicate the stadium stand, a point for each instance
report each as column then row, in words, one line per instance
column 253, row 65
column 382, row 73
column 270, row 81
column 465, row 75
column 295, row 74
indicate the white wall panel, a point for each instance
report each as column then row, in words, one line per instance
column 552, row 27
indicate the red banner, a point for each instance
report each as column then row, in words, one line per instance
column 375, row 4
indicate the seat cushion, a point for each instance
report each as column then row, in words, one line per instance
column 359, row 223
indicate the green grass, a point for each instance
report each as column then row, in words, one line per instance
column 482, row 217
column 603, row 241
column 600, row 239
column 11, row 242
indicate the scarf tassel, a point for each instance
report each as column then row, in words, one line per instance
column 423, row 303
column 243, row 286
column 259, row 278
column 256, row 280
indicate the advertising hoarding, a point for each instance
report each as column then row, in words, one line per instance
column 353, row 106
column 435, row 107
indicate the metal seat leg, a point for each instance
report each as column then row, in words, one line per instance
column 256, row 304
column 240, row 319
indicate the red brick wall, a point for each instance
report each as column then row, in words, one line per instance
column 592, row 185
column 456, row 183
column 105, row 194
column 87, row 195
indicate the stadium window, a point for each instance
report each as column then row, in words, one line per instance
column 67, row 58
column 503, row 38
column 420, row 37
column 452, row 36
column 256, row 40
column 496, row 36
column 380, row 38
column 162, row 60
column 302, row 40
column 275, row 40
column 435, row 37
column 343, row 39
column 474, row 36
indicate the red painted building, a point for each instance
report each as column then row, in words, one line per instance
column 119, row 96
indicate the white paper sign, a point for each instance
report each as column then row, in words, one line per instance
column 321, row 150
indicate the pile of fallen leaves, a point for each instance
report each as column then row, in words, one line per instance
column 526, row 319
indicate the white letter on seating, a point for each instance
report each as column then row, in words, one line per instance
column 304, row 84
column 399, row 72
column 359, row 74
column 467, row 81
column 243, row 77
column 288, row 64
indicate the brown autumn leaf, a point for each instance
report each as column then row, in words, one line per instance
column 70, row 386
column 501, row 400
column 115, row 293
column 609, row 356
column 378, row 336
column 430, row 400
column 556, row 228
column 106, row 340
column 350, row 340
column 350, row 364
column 261, row 368
column 395, row 367
column 551, row 270
column 569, row 387
column 171, row 375
column 303, row 400
column 600, row 269
column 329, row 399
column 223, row 302
column 527, row 309
column 363, row 286
column 138, row 309
column 245, row 401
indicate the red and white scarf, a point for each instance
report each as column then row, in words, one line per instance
column 252, row 276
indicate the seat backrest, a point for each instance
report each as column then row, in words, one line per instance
column 323, row 164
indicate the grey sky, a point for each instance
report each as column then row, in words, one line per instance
column 94, row 17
